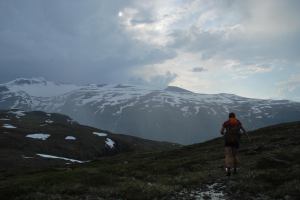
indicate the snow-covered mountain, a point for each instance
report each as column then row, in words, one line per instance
column 39, row 87
column 173, row 114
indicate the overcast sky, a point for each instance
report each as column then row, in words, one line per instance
column 246, row 47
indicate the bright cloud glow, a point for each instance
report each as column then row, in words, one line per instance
column 237, row 40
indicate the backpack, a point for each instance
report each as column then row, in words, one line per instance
column 233, row 135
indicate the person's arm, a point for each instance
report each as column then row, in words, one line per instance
column 245, row 132
column 222, row 130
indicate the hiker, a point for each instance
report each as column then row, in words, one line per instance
column 231, row 130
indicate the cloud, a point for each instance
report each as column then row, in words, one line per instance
column 125, row 40
column 248, row 39
column 290, row 87
column 78, row 41
column 199, row 69
column 151, row 21
column 239, row 70
column 248, row 31
column 154, row 79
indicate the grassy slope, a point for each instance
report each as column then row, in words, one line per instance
column 87, row 146
column 270, row 169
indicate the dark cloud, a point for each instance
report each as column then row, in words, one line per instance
column 79, row 41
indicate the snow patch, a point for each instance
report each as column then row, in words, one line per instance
column 8, row 126
column 226, row 109
column 197, row 108
column 61, row 158
column 70, row 138
column 49, row 121
column 18, row 113
column 119, row 112
column 255, row 109
column 39, row 136
column 214, row 112
column 26, row 157
column 185, row 109
column 4, row 119
column 100, row 134
column 110, row 143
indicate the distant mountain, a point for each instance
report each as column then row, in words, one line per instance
column 39, row 87
column 30, row 138
column 172, row 114
column 177, row 89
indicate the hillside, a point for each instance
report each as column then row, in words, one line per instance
column 269, row 170
column 172, row 114
column 27, row 139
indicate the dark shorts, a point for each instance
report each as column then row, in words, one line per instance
column 234, row 145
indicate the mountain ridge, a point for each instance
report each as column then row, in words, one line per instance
column 171, row 88
column 165, row 115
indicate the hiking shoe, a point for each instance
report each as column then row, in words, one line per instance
column 228, row 172
column 234, row 171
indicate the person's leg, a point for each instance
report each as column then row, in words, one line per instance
column 235, row 159
column 228, row 160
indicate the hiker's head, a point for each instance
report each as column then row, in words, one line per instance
column 232, row 115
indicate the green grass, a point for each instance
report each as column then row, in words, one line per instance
column 270, row 168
